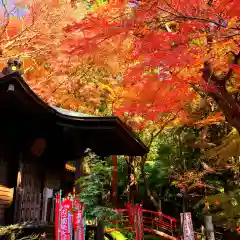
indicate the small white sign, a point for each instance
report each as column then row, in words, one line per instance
column 186, row 222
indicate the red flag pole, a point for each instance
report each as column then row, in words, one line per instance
column 57, row 215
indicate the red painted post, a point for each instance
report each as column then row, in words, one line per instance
column 196, row 237
column 138, row 222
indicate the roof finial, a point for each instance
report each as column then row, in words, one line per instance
column 12, row 66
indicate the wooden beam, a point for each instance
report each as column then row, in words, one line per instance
column 100, row 231
column 12, row 172
column 78, row 173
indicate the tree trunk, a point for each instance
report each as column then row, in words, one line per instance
column 129, row 179
column 223, row 98
column 114, row 180
column 149, row 193
column 78, row 173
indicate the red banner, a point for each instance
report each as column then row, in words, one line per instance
column 66, row 220
column 78, row 220
column 77, row 206
column 78, row 223
column 66, row 207
column 57, row 208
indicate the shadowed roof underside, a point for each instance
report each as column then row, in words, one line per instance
column 21, row 107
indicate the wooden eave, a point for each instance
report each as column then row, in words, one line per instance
column 104, row 135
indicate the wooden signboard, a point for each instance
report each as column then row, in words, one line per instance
column 186, row 222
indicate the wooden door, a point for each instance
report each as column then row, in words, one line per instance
column 29, row 194
column 6, row 194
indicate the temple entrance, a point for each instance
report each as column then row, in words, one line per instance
column 29, row 195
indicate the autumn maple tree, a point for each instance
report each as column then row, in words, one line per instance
column 36, row 36
column 176, row 49
column 155, row 63
column 181, row 55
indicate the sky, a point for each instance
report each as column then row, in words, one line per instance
column 15, row 11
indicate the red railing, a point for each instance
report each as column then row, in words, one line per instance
column 195, row 235
column 159, row 221
column 151, row 220
column 154, row 222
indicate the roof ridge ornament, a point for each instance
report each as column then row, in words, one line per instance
column 13, row 65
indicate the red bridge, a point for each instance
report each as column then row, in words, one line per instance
column 145, row 221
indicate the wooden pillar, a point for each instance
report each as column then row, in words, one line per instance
column 129, row 168
column 47, row 194
column 78, row 173
column 114, row 179
column 132, row 187
column 100, row 231
column 12, row 172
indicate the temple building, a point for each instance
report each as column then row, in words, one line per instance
column 36, row 142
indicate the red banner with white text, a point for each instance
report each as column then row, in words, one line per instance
column 64, row 226
column 69, row 219
column 78, row 220
column 57, row 215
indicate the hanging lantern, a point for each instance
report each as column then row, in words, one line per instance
column 38, row 147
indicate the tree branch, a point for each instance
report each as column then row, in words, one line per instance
column 149, row 193
column 223, row 98
column 7, row 15
column 153, row 136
